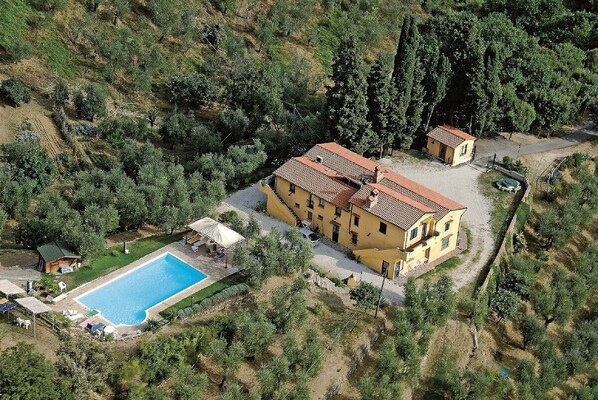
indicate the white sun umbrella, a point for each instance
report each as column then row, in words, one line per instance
column 219, row 233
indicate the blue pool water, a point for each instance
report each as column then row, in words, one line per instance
column 126, row 299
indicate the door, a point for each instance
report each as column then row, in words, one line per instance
column 335, row 231
column 424, row 230
column 442, row 151
column 397, row 270
column 427, row 254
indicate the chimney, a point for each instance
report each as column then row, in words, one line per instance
column 372, row 199
column 378, row 175
column 319, row 159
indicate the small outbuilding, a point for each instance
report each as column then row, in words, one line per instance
column 450, row 145
column 56, row 256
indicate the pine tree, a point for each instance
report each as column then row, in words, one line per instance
column 379, row 103
column 346, row 101
column 403, row 77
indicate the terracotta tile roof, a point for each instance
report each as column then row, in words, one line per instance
column 358, row 168
column 316, row 179
column 393, row 207
column 449, row 135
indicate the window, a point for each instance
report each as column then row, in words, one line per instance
column 321, row 218
column 292, row 188
column 382, row 228
column 447, row 226
column 297, row 205
column 353, row 237
column 310, row 215
column 413, row 233
column 356, row 220
column 445, row 243
column 310, row 202
column 337, row 211
column 321, row 203
column 464, row 149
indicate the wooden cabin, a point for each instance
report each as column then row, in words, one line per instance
column 56, row 255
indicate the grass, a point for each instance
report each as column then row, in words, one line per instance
column 501, row 201
column 469, row 237
column 523, row 212
column 444, row 266
column 204, row 293
column 13, row 20
column 115, row 258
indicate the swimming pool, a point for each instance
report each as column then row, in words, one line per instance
column 126, row 299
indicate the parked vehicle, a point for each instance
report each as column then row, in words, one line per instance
column 309, row 235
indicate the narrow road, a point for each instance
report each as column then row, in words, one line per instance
column 486, row 148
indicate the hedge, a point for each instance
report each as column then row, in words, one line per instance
column 219, row 297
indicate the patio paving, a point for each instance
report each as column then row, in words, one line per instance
column 214, row 271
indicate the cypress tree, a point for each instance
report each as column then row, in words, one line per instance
column 415, row 108
column 437, row 78
column 485, row 91
column 403, row 79
column 379, row 103
column 346, row 102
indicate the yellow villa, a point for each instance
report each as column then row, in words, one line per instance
column 389, row 222
column 450, row 144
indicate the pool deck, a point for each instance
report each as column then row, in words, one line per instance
column 214, row 270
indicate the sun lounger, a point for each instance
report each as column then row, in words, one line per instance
column 92, row 313
column 197, row 245
column 194, row 240
column 6, row 307
column 2, row 301
column 66, row 313
column 219, row 257
column 87, row 322
column 75, row 317
column 97, row 328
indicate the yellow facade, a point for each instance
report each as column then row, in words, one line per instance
column 365, row 239
column 453, row 156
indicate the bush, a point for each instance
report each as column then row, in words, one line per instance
column 542, row 255
column 577, row 159
column 15, row 92
column 228, row 217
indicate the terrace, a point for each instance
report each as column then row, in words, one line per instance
column 215, row 271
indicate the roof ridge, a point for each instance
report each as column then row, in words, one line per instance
column 402, row 197
column 399, row 179
column 456, row 131
column 418, row 188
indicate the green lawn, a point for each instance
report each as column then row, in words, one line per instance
column 115, row 258
column 501, row 201
column 442, row 267
column 204, row 293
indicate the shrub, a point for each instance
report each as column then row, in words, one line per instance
column 542, row 255
column 181, row 314
column 228, row 217
column 15, row 92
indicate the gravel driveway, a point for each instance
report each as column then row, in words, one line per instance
column 326, row 258
column 460, row 184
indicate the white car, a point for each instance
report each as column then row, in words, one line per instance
column 309, row 235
